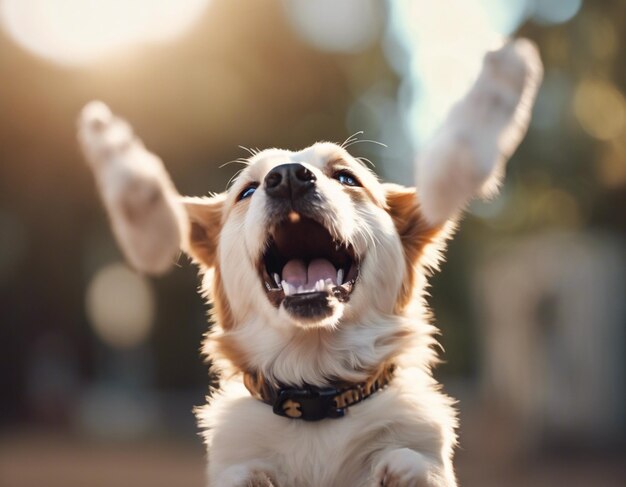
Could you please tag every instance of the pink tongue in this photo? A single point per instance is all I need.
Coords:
(296, 273)
(321, 269)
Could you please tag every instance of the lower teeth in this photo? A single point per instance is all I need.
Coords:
(319, 286)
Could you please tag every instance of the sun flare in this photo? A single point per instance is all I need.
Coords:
(83, 31)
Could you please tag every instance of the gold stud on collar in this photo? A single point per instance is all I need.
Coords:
(292, 408)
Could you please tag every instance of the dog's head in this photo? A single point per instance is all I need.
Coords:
(308, 239)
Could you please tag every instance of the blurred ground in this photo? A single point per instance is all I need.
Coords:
(36, 458)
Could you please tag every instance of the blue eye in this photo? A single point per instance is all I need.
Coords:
(347, 179)
(247, 192)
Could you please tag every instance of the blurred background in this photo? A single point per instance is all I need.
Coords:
(99, 366)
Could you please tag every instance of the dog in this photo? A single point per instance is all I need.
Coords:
(316, 272)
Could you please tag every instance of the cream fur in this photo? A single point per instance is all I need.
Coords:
(466, 157)
(147, 219)
(403, 435)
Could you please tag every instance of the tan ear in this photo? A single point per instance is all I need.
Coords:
(205, 223)
(404, 208)
(414, 230)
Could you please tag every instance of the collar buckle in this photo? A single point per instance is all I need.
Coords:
(307, 404)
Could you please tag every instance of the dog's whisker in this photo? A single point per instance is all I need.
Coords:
(361, 141)
(177, 260)
(351, 138)
(234, 177)
(252, 152)
(239, 160)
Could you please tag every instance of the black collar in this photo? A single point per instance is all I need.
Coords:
(314, 403)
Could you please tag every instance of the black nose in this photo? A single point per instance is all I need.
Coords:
(289, 181)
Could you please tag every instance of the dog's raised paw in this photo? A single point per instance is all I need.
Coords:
(404, 468)
(245, 476)
(259, 479)
(147, 218)
(102, 135)
(514, 66)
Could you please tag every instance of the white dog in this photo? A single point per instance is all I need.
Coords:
(316, 273)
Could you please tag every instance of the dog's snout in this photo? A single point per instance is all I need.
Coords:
(289, 181)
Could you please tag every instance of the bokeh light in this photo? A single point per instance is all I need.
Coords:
(81, 31)
(445, 57)
(600, 108)
(555, 12)
(347, 26)
(505, 16)
(120, 306)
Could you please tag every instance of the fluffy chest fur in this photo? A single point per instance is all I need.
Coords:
(332, 452)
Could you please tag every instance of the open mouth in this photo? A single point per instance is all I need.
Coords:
(304, 266)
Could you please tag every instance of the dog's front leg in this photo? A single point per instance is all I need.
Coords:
(466, 157)
(254, 474)
(403, 467)
(146, 213)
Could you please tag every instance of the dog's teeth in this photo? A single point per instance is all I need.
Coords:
(318, 286)
(288, 290)
(339, 277)
(277, 279)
